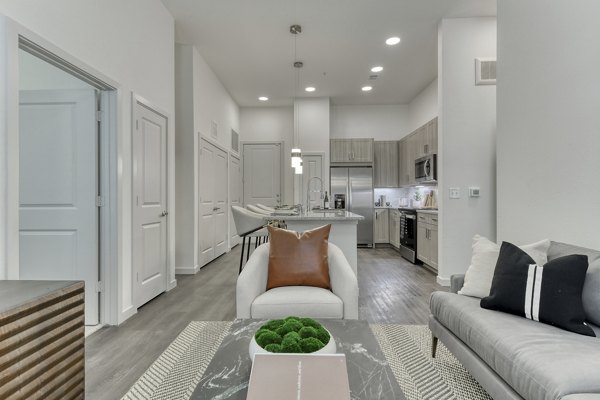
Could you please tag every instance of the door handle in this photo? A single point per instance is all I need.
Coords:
(164, 213)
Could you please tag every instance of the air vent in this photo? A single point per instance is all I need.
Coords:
(373, 77)
(485, 71)
(235, 141)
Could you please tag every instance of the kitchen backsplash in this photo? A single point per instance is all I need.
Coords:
(402, 197)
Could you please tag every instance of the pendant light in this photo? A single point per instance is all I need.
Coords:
(296, 152)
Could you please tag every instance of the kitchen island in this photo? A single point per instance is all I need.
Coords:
(343, 228)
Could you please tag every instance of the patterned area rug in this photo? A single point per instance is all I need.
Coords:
(177, 371)
(408, 351)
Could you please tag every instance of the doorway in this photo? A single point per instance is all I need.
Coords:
(313, 168)
(61, 170)
(262, 173)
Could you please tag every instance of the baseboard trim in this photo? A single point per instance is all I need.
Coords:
(443, 281)
(187, 270)
(172, 285)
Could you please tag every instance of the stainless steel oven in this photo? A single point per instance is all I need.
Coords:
(408, 234)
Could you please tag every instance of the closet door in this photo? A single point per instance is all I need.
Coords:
(212, 202)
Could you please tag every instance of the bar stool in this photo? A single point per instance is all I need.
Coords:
(267, 208)
(258, 210)
(249, 225)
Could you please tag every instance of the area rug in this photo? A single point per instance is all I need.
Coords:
(177, 371)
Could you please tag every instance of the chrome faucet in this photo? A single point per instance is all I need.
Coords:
(308, 191)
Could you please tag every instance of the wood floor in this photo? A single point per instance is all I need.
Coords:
(392, 290)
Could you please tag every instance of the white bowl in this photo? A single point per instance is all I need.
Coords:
(329, 348)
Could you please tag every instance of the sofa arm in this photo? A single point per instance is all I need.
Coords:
(343, 281)
(456, 282)
(252, 282)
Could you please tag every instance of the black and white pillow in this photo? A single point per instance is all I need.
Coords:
(549, 294)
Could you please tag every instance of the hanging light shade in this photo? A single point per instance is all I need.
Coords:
(296, 158)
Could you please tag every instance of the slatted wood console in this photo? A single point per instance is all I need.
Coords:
(42, 340)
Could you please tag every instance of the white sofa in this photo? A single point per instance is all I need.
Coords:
(254, 301)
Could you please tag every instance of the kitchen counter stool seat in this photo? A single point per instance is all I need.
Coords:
(249, 225)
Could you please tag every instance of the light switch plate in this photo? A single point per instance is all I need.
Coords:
(454, 193)
(474, 191)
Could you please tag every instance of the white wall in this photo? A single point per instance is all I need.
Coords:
(213, 102)
(264, 124)
(549, 121)
(201, 98)
(467, 128)
(186, 249)
(424, 107)
(381, 122)
(130, 42)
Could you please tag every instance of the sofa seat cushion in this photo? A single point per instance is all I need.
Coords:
(539, 361)
(302, 301)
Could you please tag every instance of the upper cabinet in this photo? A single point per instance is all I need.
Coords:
(420, 143)
(351, 150)
(425, 139)
(385, 167)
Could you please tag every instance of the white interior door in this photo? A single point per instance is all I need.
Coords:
(212, 202)
(312, 166)
(150, 210)
(220, 171)
(235, 195)
(262, 174)
(58, 236)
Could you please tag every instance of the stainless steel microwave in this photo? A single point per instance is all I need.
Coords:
(426, 169)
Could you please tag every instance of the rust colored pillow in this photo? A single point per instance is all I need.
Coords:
(298, 259)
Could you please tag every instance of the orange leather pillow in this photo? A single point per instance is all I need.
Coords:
(298, 259)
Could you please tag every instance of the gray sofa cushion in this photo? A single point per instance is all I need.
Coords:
(539, 361)
(591, 288)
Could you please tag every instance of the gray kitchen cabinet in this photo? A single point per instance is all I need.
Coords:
(386, 164)
(382, 225)
(427, 239)
(351, 150)
(340, 150)
(422, 142)
(395, 228)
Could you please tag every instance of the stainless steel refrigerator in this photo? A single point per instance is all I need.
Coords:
(352, 190)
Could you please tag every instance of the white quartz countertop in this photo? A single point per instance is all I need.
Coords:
(333, 215)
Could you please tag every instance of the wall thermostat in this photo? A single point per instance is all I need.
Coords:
(473, 192)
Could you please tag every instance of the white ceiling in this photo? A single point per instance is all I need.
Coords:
(248, 45)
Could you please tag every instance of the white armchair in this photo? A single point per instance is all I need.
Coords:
(254, 301)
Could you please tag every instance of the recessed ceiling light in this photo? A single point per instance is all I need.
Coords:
(377, 69)
(367, 88)
(392, 41)
(263, 98)
(310, 89)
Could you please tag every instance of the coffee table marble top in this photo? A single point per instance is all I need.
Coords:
(369, 374)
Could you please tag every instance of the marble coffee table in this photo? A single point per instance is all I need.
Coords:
(370, 377)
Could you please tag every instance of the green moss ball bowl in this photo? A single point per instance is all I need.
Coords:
(255, 348)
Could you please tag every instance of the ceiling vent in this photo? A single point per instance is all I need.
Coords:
(373, 77)
(235, 141)
(485, 71)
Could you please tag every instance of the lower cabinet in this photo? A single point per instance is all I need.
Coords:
(382, 226)
(427, 239)
(395, 228)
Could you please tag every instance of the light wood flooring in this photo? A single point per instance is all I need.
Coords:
(392, 290)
